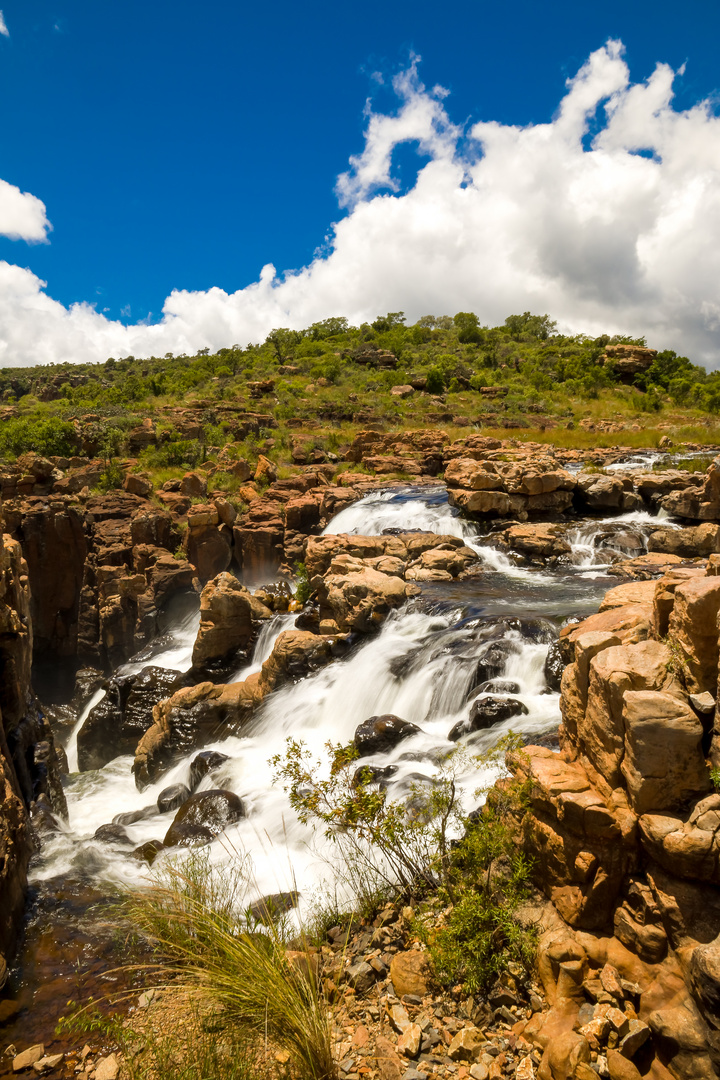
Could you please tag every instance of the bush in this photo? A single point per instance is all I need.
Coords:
(51, 438)
(303, 589)
(435, 380)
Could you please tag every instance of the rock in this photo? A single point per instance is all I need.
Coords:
(266, 471)
(554, 667)
(361, 977)
(190, 718)
(691, 543)
(27, 1058)
(170, 798)
(619, 1068)
(680, 1040)
(117, 723)
(398, 1017)
(296, 653)
(358, 597)
(194, 485)
(47, 1063)
(270, 909)
(111, 834)
(204, 816)
(229, 619)
(563, 1055)
(202, 764)
(138, 485)
(664, 764)
(693, 628)
(486, 712)
(379, 734)
(410, 973)
(107, 1068)
(409, 1041)
(148, 851)
(637, 1036)
(466, 1045)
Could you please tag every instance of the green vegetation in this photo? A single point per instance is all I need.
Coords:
(204, 947)
(335, 378)
(402, 848)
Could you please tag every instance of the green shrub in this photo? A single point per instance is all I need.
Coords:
(50, 437)
(303, 589)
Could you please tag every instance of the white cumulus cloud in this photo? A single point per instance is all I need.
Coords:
(618, 232)
(3, 27)
(22, 216)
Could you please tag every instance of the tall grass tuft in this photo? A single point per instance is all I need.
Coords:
(192, 915)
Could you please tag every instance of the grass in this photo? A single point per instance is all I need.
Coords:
(192, 915)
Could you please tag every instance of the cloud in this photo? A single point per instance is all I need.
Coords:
(614, 233)
(22, 216)
(3, 28)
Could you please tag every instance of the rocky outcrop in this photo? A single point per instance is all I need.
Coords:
(622, 823)
(30, 787)
(495, 489)
(229, 620)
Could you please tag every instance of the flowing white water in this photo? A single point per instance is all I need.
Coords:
(596, 544)
(423, 509)
(267, 637)
(421, 667)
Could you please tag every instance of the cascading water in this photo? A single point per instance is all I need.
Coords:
(595, 544)
(422, 666)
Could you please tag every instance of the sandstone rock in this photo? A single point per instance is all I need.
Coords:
(193, 485)
(170, 798)
(663, 765)
(359, 598)
(191, 717)
(620, 1068)
(138, 485)
(266, 471)
(410, 973)
(27, 1058)
(409, 1041)
(485, 712)
(680, 1040)
(466, 1045)
(693, 627)
(229, 620)
(204, 816)
(691, 543)
(296, 653)
(107, 1068)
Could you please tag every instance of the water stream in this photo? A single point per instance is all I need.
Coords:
(423, 666)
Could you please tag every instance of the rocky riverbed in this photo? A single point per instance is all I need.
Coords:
(172, 660)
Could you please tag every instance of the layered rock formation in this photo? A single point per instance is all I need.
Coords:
(623, 822)
(30, 788)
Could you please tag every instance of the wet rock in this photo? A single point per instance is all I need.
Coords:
(112, 834)
(170, 798)
(379, 734)
(373, 774)
(148, 851)
(194, 716)
(117, 723)
(554, 667)
(493, 660)
(485, 713)
(269, 909)
(498, 686)
(132, 816)
(204, 816)
(202, 764)
(87, 681)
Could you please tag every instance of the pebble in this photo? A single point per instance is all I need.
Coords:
(107, 1068)
(45, 1064)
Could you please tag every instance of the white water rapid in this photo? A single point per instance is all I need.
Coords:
(422, 667)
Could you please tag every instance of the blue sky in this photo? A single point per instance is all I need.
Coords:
(185, 146)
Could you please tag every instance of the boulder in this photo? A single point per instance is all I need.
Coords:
(380, 734)
(204, 763)
(693, 628)
(357, 597)
(487, 711)
(204, 816)
(116, 724)
(190, 718)
(229, 620)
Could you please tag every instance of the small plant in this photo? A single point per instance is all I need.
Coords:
(715, 777)
(111, 477)
(303, 589)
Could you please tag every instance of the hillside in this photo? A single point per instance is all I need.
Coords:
(332, 380)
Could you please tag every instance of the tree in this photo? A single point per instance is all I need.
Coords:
(468, 328)
(386, 322)
(531, 326)
(283, 342)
